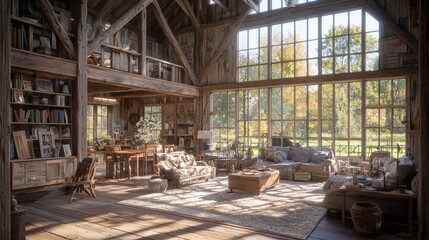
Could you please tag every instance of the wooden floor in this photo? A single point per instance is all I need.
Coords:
(101, 218)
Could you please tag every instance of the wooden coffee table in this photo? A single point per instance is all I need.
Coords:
(253, 180)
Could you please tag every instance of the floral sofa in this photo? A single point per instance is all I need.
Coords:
(181, 168)
(318, 164)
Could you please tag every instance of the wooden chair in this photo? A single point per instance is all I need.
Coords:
(151, 150)
(83, 180)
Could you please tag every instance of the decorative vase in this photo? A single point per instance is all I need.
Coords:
(44, 101)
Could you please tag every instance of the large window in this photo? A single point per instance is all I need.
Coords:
(97, 123)
(154, 113)
(322, 115)
(328, 44)
(223, 117)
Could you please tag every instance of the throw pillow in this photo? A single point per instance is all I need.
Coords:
(301, 155)
(282, 155)
(270, 155)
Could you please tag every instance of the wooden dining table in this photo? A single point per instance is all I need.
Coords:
(126, 157)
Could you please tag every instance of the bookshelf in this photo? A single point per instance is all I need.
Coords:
(41, 126)
(178, 124)
(31, 32)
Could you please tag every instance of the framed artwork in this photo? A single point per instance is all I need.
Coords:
(55, 131)
(44, 85)
(47, 143)
(18, 96)
(26, 85)
(66, 150)
(191, 130)
(181, 142)
(21, 144)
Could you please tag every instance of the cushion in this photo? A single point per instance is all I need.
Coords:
(270, 155)
(319, 156)
(282, 155)
(300, 154)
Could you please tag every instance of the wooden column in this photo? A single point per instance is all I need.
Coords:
(423, 200)
(143, 42)
(81, 91)
(5, 193)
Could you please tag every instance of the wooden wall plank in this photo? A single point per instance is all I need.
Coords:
(224, 44)
(5, 192)
(378, 13)
(424, 111)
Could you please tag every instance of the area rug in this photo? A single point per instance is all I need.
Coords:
(291, 209)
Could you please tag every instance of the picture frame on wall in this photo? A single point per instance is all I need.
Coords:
(47, 143)
(44, 85)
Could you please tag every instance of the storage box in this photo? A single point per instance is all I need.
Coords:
(301, 176)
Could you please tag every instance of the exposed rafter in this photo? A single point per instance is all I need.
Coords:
(251, 4)
(225, 43)
(376, 10)
(218, 2)
(63, 37)
(121, 22)
(106, 9)
(170, 36)
(186, 7)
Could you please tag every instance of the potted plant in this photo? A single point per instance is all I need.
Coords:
(146, 130)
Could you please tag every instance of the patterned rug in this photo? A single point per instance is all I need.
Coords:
(291, 209)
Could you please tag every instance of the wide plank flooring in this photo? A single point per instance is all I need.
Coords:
(102, 218)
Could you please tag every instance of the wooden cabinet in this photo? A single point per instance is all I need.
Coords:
(41, 125)
(37, 173)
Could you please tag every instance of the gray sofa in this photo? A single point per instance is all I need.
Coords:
(318, 163)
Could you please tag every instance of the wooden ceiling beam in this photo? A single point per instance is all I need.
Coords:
(170, 36)
(332, 78)
(221, 4)
(48, 12)
(186, 7)
(225, 43)
(124, 79)
(372, 7)
(120, 23)
(139, 94)
(251, 4)
(45, 65)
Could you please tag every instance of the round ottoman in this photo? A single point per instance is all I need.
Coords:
(157, 185)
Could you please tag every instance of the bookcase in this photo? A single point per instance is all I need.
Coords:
(41, 126)
(30, 31)
(178, 124)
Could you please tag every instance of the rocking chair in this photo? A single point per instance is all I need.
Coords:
(85, 174)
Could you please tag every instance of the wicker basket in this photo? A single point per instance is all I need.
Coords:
(366, 217)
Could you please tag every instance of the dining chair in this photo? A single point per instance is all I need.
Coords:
(151, 150)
